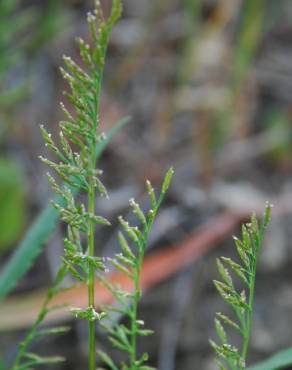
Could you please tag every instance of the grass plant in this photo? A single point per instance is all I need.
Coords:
(26, 359)
(76, 164)
(77, 151)
(241, 302)
(129, 262)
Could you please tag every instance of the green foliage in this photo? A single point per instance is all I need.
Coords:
(12, 203)
(77, 156)
(25, 359)
(77, 168)
(77, 151)
(280, 360)
(241, 302)
(32, 244)
(133, 242)
(76, 165)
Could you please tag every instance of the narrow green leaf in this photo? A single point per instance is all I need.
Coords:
(280, 360)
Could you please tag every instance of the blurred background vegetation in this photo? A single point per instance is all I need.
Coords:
(208, 84)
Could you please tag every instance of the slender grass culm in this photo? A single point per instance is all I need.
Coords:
(77, 155)
(78, 168)
(78, 171)
(242, 303)
(129, 262)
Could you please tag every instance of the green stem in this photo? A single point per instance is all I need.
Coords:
(91, 324)
(23, 346)
(137, 295)
(134, 327)
(91, 238)
(246, 337)
(249, 318)
(141, 247)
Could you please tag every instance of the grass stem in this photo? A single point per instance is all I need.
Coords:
(91, 324)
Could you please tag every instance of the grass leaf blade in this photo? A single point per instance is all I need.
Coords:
(280, 360)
